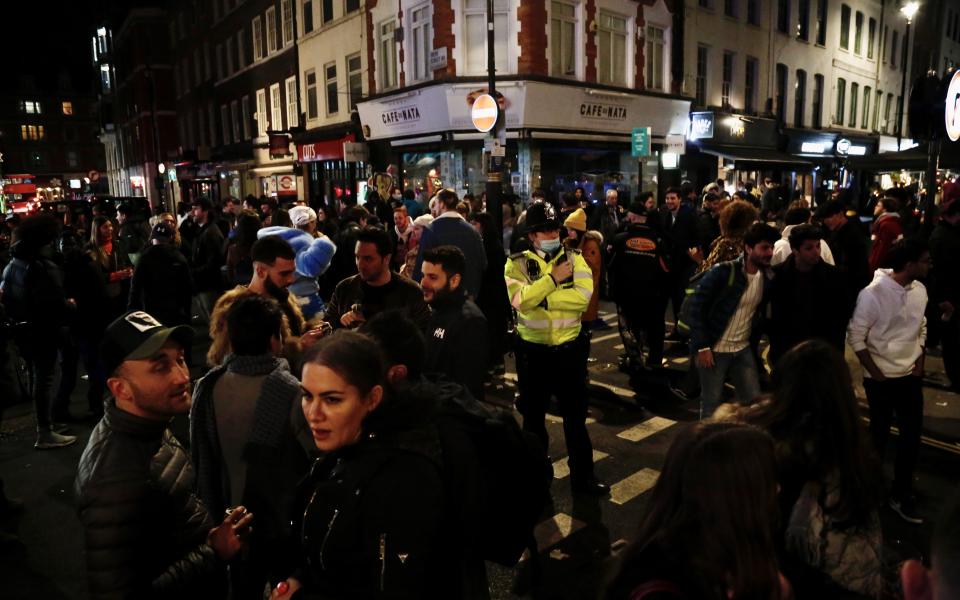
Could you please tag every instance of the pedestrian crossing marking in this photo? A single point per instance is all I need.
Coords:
(646, 429)
(552, 531)
(604, 338)
(631, 487)
(608, 316)
(551, 418)
(561, 469)
(628, 394)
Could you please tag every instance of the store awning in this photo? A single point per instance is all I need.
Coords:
(757, 158)
(913, 159)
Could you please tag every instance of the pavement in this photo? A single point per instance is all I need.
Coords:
(631, 426)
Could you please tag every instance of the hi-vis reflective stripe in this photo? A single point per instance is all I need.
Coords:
(584, 292)
(515, 301)
(548, 323)
(582, 275)
(512, 281)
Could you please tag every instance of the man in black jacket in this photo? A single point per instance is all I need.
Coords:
(848, 245)
(208, 257)
(161, 283)
(457, 331)
(945, 292)
(146, 533)
(678, 225)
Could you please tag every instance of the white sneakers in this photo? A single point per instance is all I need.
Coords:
(48, 439)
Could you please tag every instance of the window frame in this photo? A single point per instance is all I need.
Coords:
(701, 75)
(330, 85)
(270, 22)
(245, 116)
(292, 104)
(865, 113)
(822, 16)
(726, 77)
(501, 55)
(287, 32)
(799, 97)
(276, 108)
(262, 116)
(256, 30)
(235, 121)
(845, 17)
(308, 88)
(387, 46)
(653, 69)
(625, 33)
(307, 16)
(854, 99)
(224, 127)
(816, 107)
(858, 33)
(352, 76)
(750, 76)
(562, 20)
(840, 110)
(420, 69)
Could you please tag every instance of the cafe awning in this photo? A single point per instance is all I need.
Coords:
(758, 158)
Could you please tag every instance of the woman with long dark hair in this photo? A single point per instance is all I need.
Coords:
(114, 267)
(239, 264)
(492, 298)
(710, 530)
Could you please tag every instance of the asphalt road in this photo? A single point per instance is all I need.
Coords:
(631, 430)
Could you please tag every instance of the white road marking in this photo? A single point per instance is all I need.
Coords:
(622, 392)
(604, 338)
(631, 487)
(561, 469)
(646, 429)
(552, 531)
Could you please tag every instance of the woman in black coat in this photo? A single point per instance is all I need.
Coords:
(373, 507)
(492, 298)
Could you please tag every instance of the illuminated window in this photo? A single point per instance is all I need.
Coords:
(67, 108)
(31, 107)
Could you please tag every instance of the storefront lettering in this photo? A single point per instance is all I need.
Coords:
(401, 115)
(737, 129)
(603, 111)
(701, 125)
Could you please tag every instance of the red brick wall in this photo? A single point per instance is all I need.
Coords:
(443, 35)
(590, 17)
(402, 76)
(533, 38)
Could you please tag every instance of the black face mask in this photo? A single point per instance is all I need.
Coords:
(278, 293)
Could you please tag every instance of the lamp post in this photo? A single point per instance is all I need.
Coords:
(908, 10)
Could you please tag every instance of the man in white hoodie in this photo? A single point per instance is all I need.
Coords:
(888, 332)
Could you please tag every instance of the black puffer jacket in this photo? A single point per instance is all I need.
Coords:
(33, 289)
(145, 530)
(162, 285)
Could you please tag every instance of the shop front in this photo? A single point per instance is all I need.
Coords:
(737, 149)
(198, 180)
(327, 176)
(557, 138)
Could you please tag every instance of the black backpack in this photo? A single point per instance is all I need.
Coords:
(498, 477)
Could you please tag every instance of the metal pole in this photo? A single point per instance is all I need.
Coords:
(903, 85)
(933, 158)
(494, 202)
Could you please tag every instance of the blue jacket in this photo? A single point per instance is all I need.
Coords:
(715, 299)
(455, 231)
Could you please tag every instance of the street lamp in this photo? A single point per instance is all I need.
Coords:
(908, 10)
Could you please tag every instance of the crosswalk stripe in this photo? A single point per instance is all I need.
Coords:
(622, 392)
(604, 338)
(561, 469)
(608, 316)
(555, 529)
(631, 487)
(646, 429)
(551, 418)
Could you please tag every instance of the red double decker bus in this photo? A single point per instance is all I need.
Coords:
(20, 193)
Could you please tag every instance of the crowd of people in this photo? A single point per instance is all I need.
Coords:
(341, 342)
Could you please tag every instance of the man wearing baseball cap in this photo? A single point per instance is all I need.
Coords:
(304, 218)
(146, 533)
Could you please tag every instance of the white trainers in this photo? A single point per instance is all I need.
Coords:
(48, 439)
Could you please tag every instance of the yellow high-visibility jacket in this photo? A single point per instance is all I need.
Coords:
(547, 313)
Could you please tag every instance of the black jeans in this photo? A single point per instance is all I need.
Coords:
(642, 321)
(39, 350)
(950, 343)
(559, 371)
(903, 395)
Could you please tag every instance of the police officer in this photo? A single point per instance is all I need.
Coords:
(550, 287)
(638, 273)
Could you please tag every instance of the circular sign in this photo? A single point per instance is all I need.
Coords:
(484, 112)
(161, 168)
(843, 146)
(285, 182)
(952, 108)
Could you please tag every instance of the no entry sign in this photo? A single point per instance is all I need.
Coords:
(484, 112)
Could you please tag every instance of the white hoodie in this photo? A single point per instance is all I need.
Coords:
(889, 323)
(782, 250)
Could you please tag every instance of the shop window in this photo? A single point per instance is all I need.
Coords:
(799, 98)
(750, 85)
(330, 84)
(817, 101)
(256, 29)
(421, 42)
(858, 33)
(387, 55)
(612, 48)
(841, 101)
(307, 16)
(286, 12)
(224, 123)
(235, 121)
(293, 116)
(753, 12)
(865, 119)
(245, 113)
(655, 55)
(270, 22)
(475, 30)
(354, 80)
(727, 82)
(310, 83)
(783, 16)
(276, 108)
(822, 22)
(261, 113)
(701, 91)
(563, 39)
(854, 92)
(845, 27)
(803, 20)
(871, 36)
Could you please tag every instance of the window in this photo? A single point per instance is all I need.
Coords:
(654, 56)
(701, 76)
(307, 16)
(782, 76)
(224, 119)
(245, 111)
(310, 83)
(219, 53)
(817, 101)
(241, 51)
(475, 29)
(206, 62)
(286, 11)
(32, 132)
(31, 107)
(261, 113)
(257, 38)
(270, 22)
(293, 110)
(803, 20)
(871, 36)
(105, 79)
(612, 48)
(235, 121)
(730, 8)
(197, 67)
(886, 113)
(727, 82)
(858, 33)
(753, 12)
(387, 56)
(67, 107)
(201, 128)
(276, 108)
(841, 101)
(897, 126)
(354, 80)
(563, 39)
(230, 54)
(799, 97)
(822, 22)
(893, 49)
(865, 119)
(845, 27)
(783, 16)
(876, 110)
(352, 5)
(327, 10)
(750, 85)
(421, 42)
(72, 160)
(211, 112)
(330, 83)
(854, 89)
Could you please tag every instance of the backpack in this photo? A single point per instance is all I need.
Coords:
(498, 476)
(683, 320)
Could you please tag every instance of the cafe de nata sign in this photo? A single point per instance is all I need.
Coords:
(951, 113)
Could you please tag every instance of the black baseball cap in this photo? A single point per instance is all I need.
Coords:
(137, 336)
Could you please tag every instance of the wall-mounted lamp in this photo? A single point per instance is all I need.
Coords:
(592, 26)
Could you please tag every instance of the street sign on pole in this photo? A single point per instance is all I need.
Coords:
(640, 142)
(484, 112)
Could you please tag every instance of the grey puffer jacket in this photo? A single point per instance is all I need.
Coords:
(145, 530)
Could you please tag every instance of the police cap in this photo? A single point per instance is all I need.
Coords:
(541, 216)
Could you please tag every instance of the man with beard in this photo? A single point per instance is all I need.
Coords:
(147, 535)
(273, 272)
(457, 331)
(375, 288)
